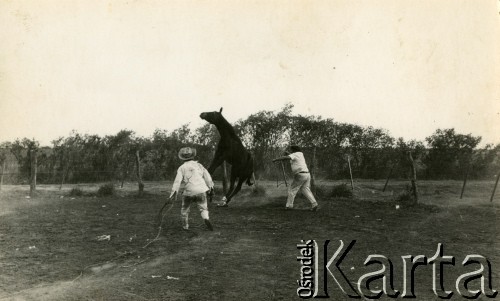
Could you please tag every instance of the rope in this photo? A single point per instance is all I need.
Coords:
(160, 227)
(163, 214)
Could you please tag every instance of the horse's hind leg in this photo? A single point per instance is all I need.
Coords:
(231, 188)
(251, 180)
(236, 190)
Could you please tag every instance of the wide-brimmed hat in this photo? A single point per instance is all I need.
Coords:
(187, 153)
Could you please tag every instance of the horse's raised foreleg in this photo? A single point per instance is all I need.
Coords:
(216, 162)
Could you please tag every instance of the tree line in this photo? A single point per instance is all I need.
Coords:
(333, 151)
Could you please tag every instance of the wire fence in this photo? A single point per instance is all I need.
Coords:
(325, 164)
(464, 188)
(328, 164)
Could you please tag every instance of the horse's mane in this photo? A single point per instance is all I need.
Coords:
(229, 127)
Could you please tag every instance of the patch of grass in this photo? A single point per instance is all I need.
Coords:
(106, 190)
(258, 190)
(76, 192)
(341, 191)
(320, 191)
(406, 197)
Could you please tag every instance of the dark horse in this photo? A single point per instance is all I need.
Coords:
(231, 150)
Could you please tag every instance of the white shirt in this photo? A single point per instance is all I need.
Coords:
(195, 176)
(298, 162)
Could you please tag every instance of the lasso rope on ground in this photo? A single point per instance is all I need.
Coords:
(160, 227)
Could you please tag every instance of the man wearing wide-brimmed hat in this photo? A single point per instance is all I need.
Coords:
(197, 182)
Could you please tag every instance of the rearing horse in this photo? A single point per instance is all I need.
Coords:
(231, 150)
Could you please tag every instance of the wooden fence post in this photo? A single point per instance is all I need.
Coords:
(465, 180)
(1, 177)
(33, 163)
(138, 172)
(350, 171)
(313, 165)
(388, 176)
(413, 176)
(62, 180)
(495, 188)
(65, 173)
(124, 175)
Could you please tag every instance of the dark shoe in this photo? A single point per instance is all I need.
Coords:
(209, 225)
(288, 208)
(314, 208)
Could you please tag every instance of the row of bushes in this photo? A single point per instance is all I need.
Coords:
(333, 150)
(338, 191)
(104, 190)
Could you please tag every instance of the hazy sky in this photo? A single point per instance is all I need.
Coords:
(97, 67)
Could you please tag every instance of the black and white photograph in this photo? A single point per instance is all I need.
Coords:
(249, 150)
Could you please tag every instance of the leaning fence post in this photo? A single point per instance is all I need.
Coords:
(388, 177)
(350, 171)
(495, 188)
(465, 180)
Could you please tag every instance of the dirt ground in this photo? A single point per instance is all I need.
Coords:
(49, 248)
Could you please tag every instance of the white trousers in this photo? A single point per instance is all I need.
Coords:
(201, 203)
(302, 182)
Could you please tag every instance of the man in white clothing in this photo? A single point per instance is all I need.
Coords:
(197, 182)
(301, 177)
